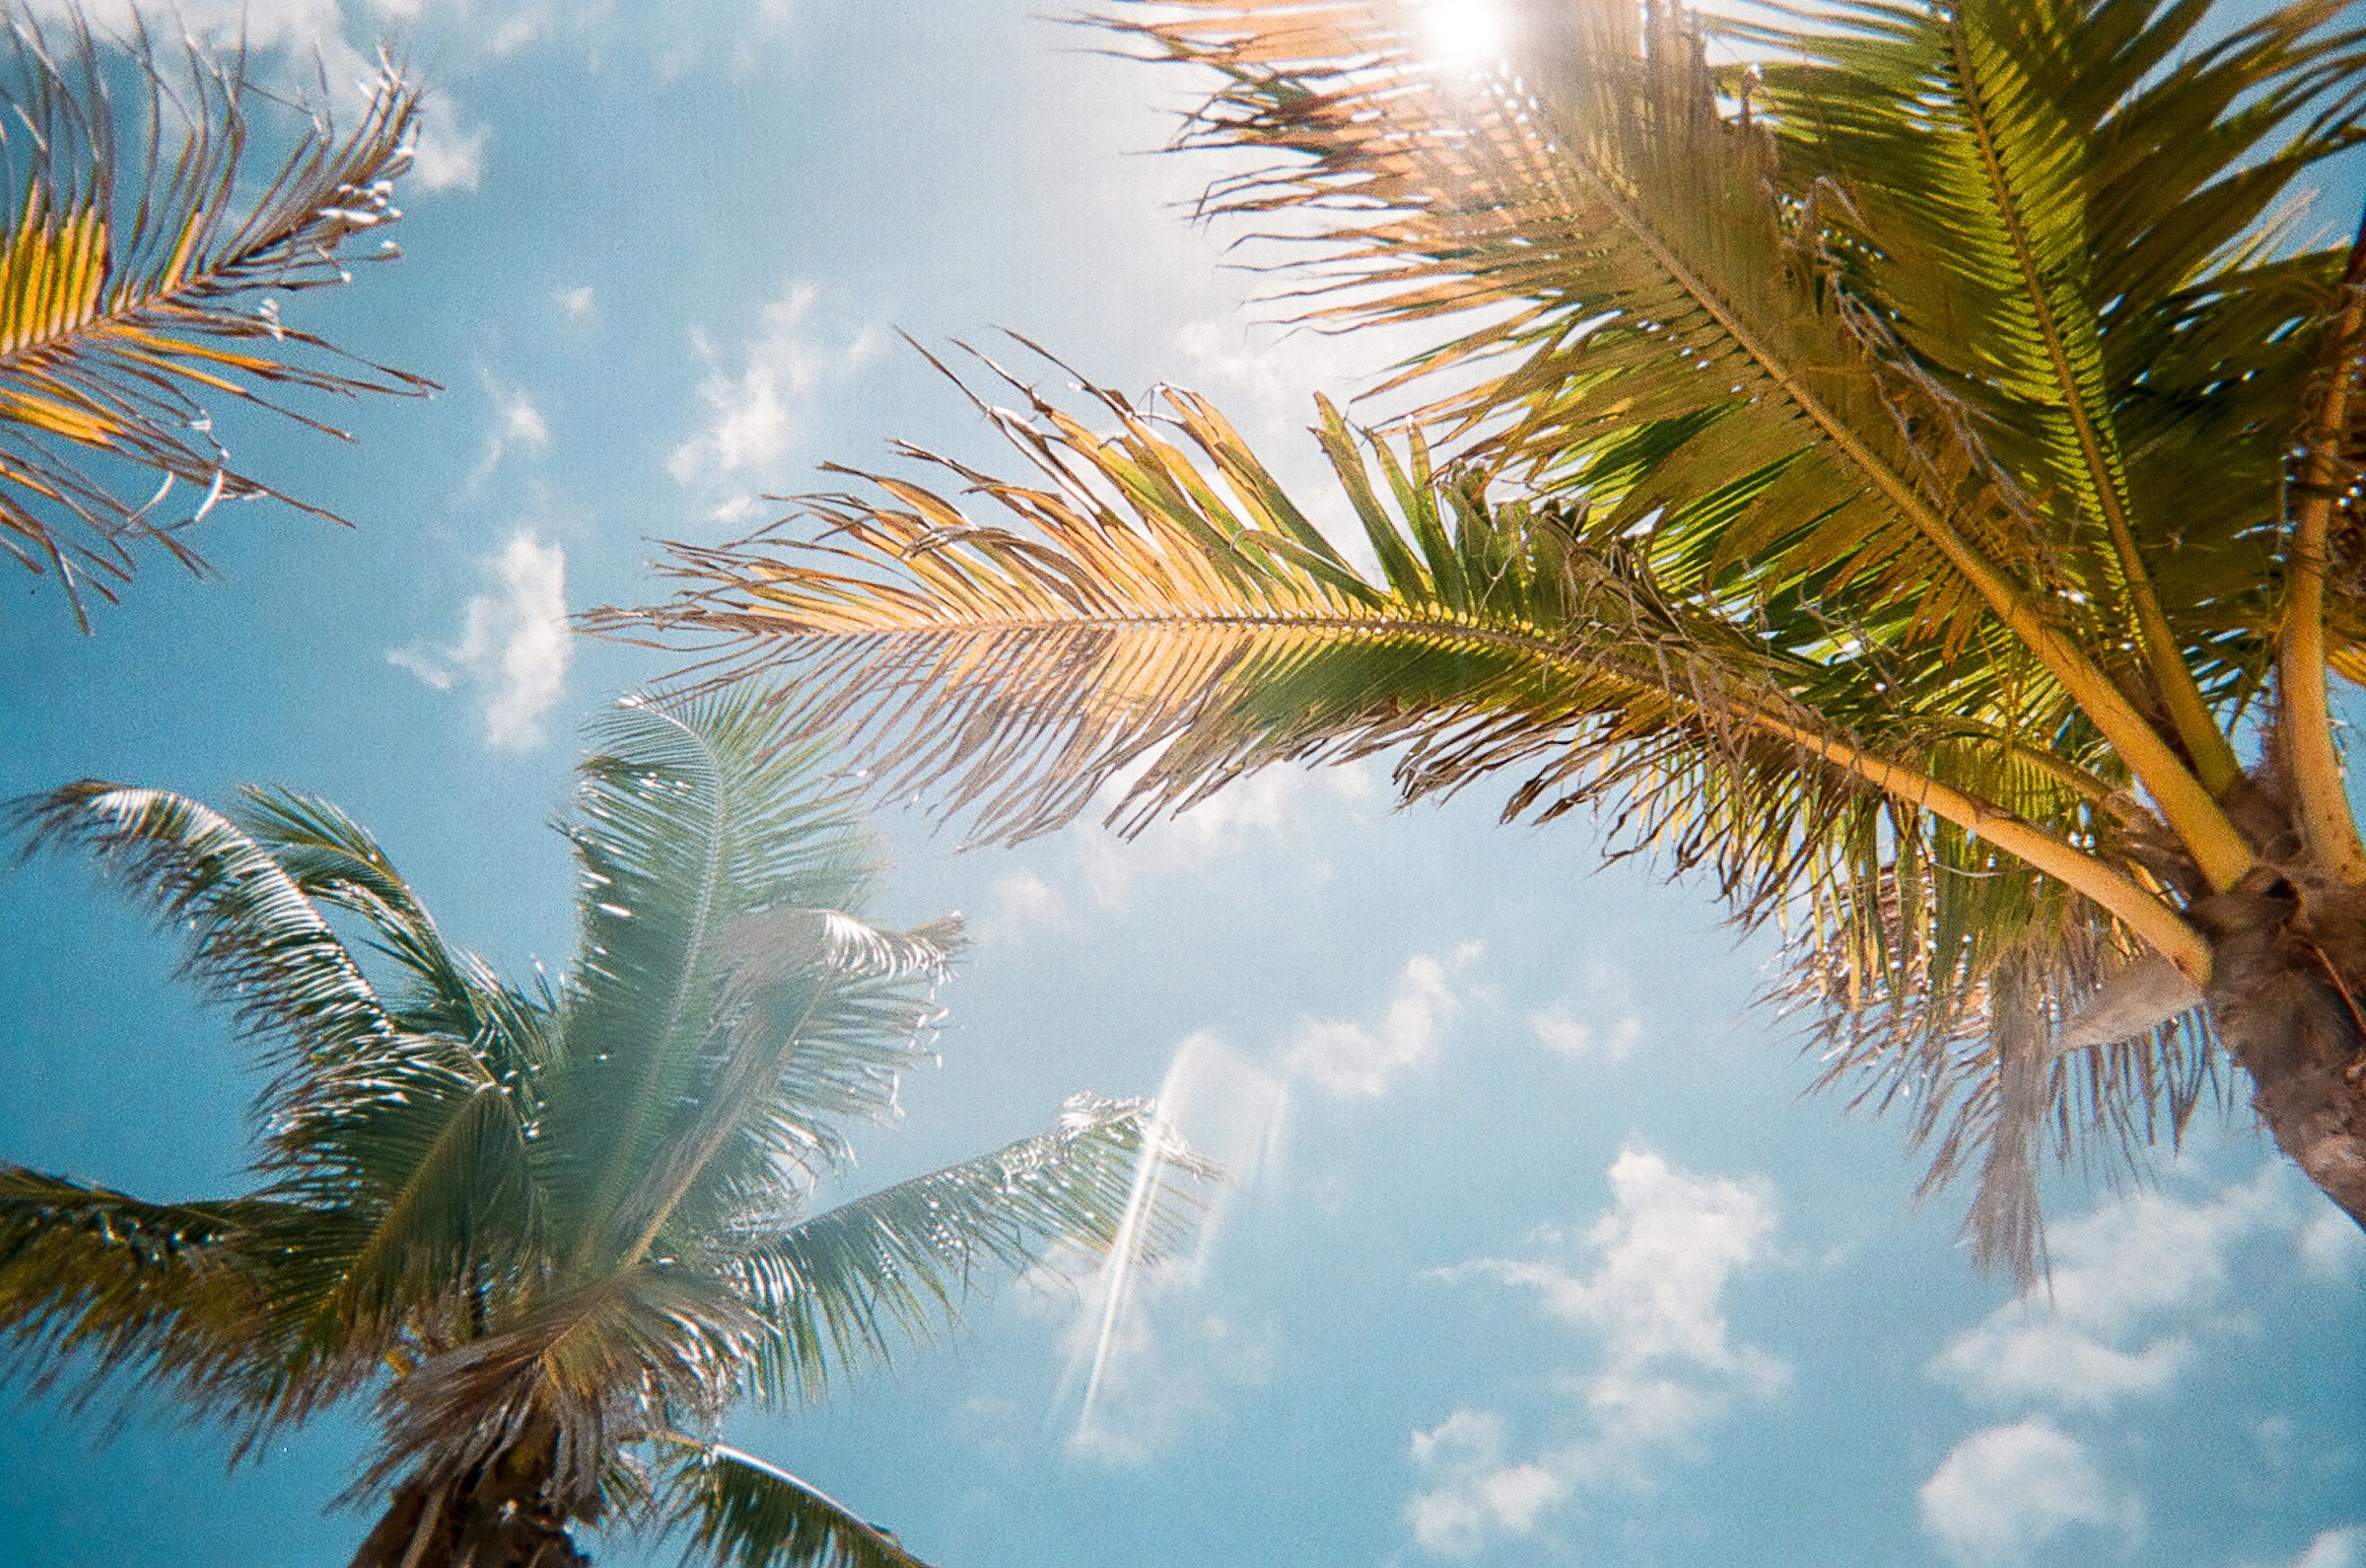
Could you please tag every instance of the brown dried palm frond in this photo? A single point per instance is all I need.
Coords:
(141, 270)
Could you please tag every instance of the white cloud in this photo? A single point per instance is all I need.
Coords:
(2006, 1490)
(1352, 1058)
(2131, 1286)
(2342, 1548)
(1667, 1249)
(521, 422)
(1264, 809)
(1022, 902)
(513, 645)
(1599, 1021)
(2330, 1245)
(578, 301)
(1482, 1494)
(758, 398)
(1562, 1032)
(449, 154)
(1662, 1256)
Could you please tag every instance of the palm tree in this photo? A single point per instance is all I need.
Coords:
(554, 1229)
(1911, 477)
(142, 263)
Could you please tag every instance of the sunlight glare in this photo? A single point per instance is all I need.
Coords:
(1464, 31)
(1222, 1108)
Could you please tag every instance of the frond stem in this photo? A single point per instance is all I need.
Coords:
(2191, 809)
(2304, 721)
(2213, 755)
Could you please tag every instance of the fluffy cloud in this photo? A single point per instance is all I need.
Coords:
(299, 44)
(1600, 1021)
(2344, 1547)
(2131, 1286)
(1561, 1031)
(2331, 1244)
(1265, 815)
(1652, 1301)
(757, 396)
(1249, 815)
(2006, 1490)
(1353, 1059)
(2138, 1292)
(513, 645)
(517, 425)
(1480, 1494)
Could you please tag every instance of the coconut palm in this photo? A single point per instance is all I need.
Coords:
(553, 1230)
(1899, 459)
(144, 257)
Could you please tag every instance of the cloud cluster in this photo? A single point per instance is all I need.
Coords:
(756, 396)
(1264, 815)
(2137, 1290)
(1366, 1059)
(1666, 1364)
(514, 646)
(1600, 1023)
(2007, 1489)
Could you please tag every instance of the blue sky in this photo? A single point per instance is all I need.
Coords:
(1534, 1253)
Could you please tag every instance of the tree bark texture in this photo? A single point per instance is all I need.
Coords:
(476, 1522)
(2288, 997)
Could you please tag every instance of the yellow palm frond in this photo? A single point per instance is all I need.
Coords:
(140, 288)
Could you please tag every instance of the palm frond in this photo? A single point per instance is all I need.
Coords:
(691, 822)
(140, 285)
(565, 1383)
(1160, 607)
(747, 1513)
(255, 943)
(849, 1282)
(337, 864)
(817, 1015)
(216, 1303)
(1709, 320)
(124, 1288)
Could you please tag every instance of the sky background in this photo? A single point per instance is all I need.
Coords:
(1534, 1252)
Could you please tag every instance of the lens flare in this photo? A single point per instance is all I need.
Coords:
(1222, 1108)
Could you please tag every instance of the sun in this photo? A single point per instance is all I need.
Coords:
(1464, 31)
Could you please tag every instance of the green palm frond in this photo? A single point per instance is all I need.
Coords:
(547, 1229)
(746, 1513)
(816, 1015)
(691, 823)
(1154, 606)
(847, 1284)
(1899, 315)
(337, 863)
(254, 942)
(123, 1289)
(141, 270)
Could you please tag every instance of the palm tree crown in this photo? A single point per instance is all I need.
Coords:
(1910, 476)
(555, 1229)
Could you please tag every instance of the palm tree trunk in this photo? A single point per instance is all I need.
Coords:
(2288, 996)
(484, 1521)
